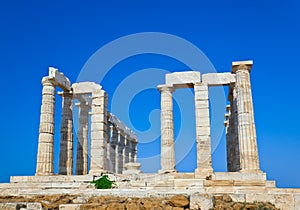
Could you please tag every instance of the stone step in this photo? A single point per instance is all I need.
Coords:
(54, 185)
(50, 179)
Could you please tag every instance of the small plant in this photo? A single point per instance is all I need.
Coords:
(103, 183)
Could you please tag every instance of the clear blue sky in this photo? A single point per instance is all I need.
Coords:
(35, 35)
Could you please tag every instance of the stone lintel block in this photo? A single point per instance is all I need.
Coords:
(218, 79)
(61, 80)
(85, 87)
(182, 79)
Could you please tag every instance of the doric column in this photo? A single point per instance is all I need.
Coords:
(133, 151)
(121, 145)
(114, 143)
(249, 161)
(98, 132)
(204, 165)
(44, 165)
(167, 130)
(108, 149)
(82, 136)
(127, 149)
(66, 135)
(232, 143)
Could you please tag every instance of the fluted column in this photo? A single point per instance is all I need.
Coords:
(249, 161)
(203, 142)
(66, 135)
(82, 136)
(133, 151)
(108, 149)
(233, 153)
(127, 149)
(167, 130)
(98, 132)
(114, 148)
(121, 145)
(44, 165)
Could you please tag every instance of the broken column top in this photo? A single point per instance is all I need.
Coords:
(60, 79)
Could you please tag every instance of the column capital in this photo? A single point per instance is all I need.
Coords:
(242, 65)
(163, 88)
(47, 81)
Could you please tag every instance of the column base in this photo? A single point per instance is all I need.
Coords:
(168, 171)
(204, 173)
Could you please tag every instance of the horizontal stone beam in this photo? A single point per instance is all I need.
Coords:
(218, 79)
(184, 79)
(60, 79)
(121, 126)
(85, 87)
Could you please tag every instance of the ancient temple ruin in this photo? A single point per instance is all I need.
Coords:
(112, 144)
(242, 154)
(108, 146)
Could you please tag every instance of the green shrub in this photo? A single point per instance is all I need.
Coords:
(103, 183)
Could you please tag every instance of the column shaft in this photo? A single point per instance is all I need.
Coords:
(66, 135)
(249, 161)
(82, 144)
(44, 166)
(167, 130)
(108, 149)
(114, 143)
(121, 144)
(204, 165)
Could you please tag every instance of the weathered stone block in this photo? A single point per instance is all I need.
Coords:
(182, 79)
(201, 201)
(218, 79)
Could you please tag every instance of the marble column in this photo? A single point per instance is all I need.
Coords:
(108, 149)
(114, 148)
(127, 149)
(121, 145)
(44, 165)
(133, 151)
(203, 142)
(82, 136)
(167, 130)
(66, 135)
(249, 161)
(233, 154)
(98, 132)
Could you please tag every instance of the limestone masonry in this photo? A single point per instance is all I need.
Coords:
(113, 146)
